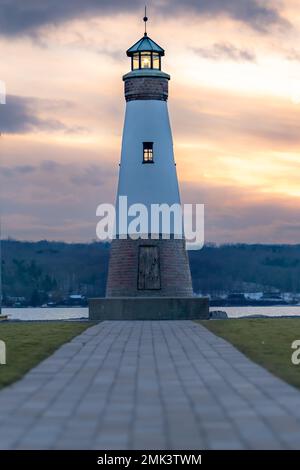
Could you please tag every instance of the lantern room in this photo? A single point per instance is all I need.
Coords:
(145, 54)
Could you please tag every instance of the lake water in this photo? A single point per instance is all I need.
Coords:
(78, 312)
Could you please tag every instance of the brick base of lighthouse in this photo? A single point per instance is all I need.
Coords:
(148, 280)
(148, 268)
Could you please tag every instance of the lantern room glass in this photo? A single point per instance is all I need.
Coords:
(155, 61)
(136, 61)
(145, 60)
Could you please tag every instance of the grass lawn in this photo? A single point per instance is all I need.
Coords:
(27, 344)
(265, 341)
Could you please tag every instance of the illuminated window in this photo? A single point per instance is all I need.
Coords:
(148, 152)
(155, 61)
(145, 60)
(136, 61)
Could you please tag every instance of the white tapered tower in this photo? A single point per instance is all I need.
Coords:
(152, 267)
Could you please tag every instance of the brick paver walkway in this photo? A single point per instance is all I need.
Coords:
(149, 385)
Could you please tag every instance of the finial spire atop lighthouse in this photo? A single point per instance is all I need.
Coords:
(145, 53)
(145, 20)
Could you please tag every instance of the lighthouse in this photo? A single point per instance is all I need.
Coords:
(148, 274)
(156, 265)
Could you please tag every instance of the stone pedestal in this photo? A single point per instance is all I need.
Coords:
(149, 308)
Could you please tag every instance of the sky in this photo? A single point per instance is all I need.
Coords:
(234, 103)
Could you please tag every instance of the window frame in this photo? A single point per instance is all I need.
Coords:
(135, 57)
(148, 150)
(146, 54)
(138, 55)
(158, 57)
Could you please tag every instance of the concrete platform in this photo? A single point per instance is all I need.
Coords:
(149, 308)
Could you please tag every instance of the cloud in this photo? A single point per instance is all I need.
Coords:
(55, 200)
(257, 14)
(227, 51)
(293, 54)
(222, 116)
(16, 170)
(20, 115)
(19, 17)
(235, 214)
(61, 204)
(92, 175)
(49, 165)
